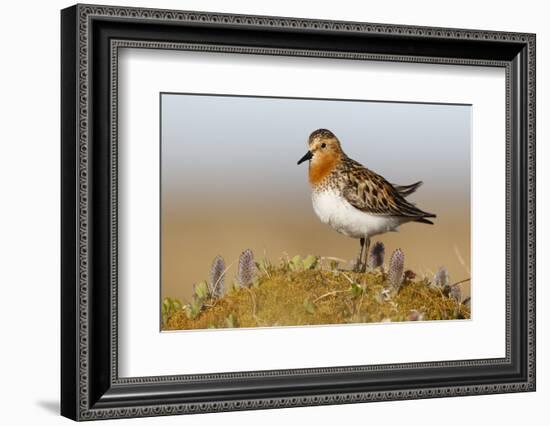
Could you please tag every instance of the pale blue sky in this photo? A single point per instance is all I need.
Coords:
(227, 145)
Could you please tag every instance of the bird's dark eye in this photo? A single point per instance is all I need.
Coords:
(323, 145)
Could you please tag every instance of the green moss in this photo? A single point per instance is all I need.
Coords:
(294, 294)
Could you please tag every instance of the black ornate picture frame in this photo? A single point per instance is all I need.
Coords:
(91, 387)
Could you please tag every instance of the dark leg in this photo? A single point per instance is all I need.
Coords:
(359, 263)
(366, 244)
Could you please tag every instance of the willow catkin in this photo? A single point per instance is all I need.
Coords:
(441, 277)
(397, 265)
(246, 269)
(217, 278)
(456, 293)
(376, 256)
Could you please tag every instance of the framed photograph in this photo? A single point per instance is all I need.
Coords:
(263, 212)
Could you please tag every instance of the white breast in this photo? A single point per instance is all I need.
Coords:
(336, 211)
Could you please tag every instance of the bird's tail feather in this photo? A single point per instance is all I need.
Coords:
(424, 220)
(406, 190)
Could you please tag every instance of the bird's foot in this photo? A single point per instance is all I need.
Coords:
(359, 266)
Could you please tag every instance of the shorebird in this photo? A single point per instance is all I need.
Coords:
(352, 199)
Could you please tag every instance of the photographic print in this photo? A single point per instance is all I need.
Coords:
(299, 212)
(269, 183)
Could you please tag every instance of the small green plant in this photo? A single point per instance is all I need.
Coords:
(170, 307)
(264, 266)
(356, 290)
(247, 269)
(194, 309)
(395, 273)
(295, 263)
(231, 321)
(310, 262)
(309, 306)
(256, 282)
(201, 291)
(307, 263)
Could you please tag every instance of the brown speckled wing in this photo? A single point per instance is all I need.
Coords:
(371, 193)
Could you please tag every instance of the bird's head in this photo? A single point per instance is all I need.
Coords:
(324, 155)
(324, 147)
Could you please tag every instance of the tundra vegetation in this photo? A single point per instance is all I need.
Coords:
(313, 290)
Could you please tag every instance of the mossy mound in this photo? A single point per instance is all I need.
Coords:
(281, 296)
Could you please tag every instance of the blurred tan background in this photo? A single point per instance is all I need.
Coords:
(191, 240)
(230, 181)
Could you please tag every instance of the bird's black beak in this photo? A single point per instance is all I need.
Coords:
(306, 157)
